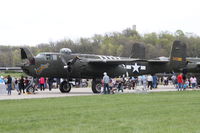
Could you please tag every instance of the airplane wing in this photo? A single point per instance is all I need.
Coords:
(158, 61)
(198, 63)
(112, 61)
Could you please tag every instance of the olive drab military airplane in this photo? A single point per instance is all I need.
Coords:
(68, 65)
(192, 65)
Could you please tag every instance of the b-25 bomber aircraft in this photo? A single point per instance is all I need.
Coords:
(192, 65)
(67, 65)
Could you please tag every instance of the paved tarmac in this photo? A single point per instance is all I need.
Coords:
(78, 92)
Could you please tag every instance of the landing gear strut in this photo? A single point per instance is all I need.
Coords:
(65, 87)
(96, 85)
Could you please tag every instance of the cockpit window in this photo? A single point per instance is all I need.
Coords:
(41, 56)
(51, 57)
(54, 57)
(47, 56)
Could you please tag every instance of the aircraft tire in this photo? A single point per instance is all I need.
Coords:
(96, 86)
(65, 87)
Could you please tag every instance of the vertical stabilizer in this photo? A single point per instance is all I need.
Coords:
(138, 51)
(178, 55)
(26, 54)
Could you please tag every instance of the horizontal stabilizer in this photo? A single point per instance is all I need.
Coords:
(10, 68)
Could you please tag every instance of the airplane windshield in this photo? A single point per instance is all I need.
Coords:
(47, 56)
(40, 56)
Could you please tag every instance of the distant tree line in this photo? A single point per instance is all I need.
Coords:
(115, 43)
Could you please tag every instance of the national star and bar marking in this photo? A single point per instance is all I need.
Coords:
(135, 67)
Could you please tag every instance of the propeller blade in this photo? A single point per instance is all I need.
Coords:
(64, 62)
(67, 65)
(74, 60)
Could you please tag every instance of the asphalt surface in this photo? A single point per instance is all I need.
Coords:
(77, 92)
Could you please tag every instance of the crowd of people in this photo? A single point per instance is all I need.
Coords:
(148, 82)
(109, 85)
(23, 84)
(30, 85)
(181, 82)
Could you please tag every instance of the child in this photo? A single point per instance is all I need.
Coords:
(186, 84)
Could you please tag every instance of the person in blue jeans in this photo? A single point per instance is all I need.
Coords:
(106, 81)
(9, 84)
(180, 82)
(155, 81)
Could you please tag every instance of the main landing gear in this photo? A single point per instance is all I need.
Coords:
(96, 85)
(65, 87)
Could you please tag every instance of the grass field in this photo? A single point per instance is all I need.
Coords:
(163, 112)
(12, 74)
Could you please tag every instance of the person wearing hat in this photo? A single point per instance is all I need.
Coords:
(106, 81)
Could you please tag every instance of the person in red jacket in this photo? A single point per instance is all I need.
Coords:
(42, 81)
(180, 82)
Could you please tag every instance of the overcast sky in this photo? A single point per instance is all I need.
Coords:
(30, 22)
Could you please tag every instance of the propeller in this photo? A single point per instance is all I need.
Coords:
(64, 61)
(68, 65)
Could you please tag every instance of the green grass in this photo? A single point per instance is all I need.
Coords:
(12, 74)
(164, 112)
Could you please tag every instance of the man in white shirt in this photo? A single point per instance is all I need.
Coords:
(193, 81)
(106, 81)
(150, 81)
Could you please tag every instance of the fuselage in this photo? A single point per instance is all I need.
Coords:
(51, 65)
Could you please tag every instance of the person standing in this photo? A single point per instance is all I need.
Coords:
(106, 81)
(133, 82)
(21, 85)
(120, 85)
(57, 82)
(50, 83)
(165, 79)
(9, 84)
(17, 85)
(139, 80)
(193, 81)
(180, 82)
(2, 80)
(155, 78)
(144, 82)
(150, 81)
(42, 81)
(174, 79)
(26, 84)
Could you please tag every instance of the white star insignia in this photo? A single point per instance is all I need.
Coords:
(136, 68)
